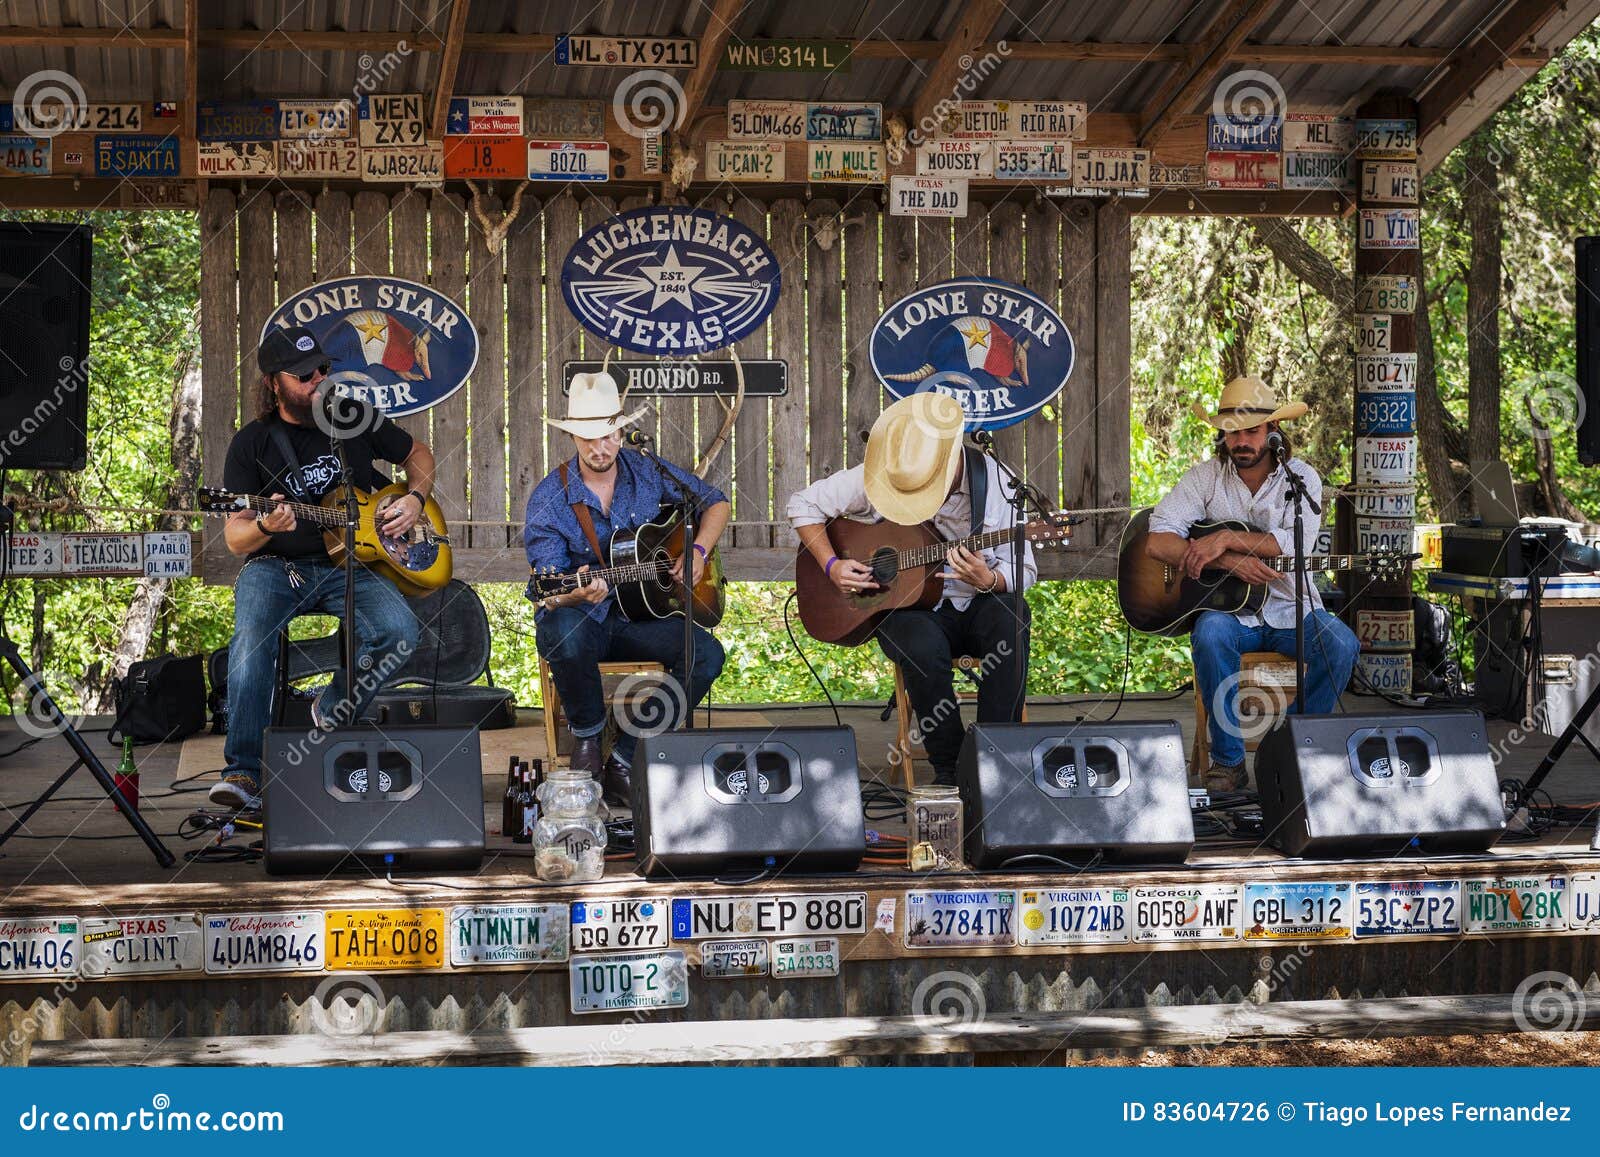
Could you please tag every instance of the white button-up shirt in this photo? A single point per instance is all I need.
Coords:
(844, 495)
(1213, 490)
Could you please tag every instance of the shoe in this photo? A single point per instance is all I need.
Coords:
(1221, 777)
(238, 791)
(586, 755)
(616, 783)
(944, 779)
(318, 720)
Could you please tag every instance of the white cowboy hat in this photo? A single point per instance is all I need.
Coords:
(913, 453)
(594, 408)
(1247, 402)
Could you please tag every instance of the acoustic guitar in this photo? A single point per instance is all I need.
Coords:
(1159, 599)
(417, 562)
(639, 571)
(905, 562)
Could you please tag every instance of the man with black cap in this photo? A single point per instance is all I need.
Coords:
(289, 451)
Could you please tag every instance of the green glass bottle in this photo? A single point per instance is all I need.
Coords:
(127, 775)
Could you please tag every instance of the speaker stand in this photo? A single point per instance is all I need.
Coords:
(1572, 731)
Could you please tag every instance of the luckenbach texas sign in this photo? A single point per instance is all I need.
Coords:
(669, 279)
(396, 345)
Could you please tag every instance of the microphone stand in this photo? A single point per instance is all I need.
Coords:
(352, 513)
(686, 510)
(1299, 498)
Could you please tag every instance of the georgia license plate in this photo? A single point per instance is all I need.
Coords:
(806, 956)
(1529, 904)
(1408, 908)
(363, 939)
(1295, 911)
(601, 925)
(264, 942)
(705, 917)
(727, 959)
(139, 944)
(39, 946)
(1073, 916)
(1185, 912)
(508, 934)
(960, 919)
(629, 980)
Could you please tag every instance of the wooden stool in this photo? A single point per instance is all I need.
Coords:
(552, 698)
(903, 747)
(1264, 670)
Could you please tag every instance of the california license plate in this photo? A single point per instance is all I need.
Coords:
(960, 919)
(1408, 908)
(629, 981)
(1185, 912)
(264, 942)
(508, 934)
(701, 918)
(1295, 911)
(364, 939)
(1524, 904)
(1073, 916)
(806, 956)
(39, 946)
(136, 156)
(604, 925)
(141, 944)
(729, 959)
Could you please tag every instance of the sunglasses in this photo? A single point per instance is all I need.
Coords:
(304, 378)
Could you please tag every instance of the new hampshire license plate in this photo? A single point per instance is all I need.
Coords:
(630, 980)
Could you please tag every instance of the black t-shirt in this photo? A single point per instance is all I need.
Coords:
(255, 465)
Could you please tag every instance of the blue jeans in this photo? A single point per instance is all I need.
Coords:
(575, 645)
(264, 602)
(1218, 641)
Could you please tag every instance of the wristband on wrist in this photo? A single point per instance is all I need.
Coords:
(417, 494)
(701, 549)
(261, 528)
(827, 570)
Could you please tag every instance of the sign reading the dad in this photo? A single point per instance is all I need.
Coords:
(992, 346)
(668, 279)
(396, 345)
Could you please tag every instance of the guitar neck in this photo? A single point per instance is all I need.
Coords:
(935, 553)
(320, 515)
(1284, 563)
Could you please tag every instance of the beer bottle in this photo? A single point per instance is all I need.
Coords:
(126, 779)
(510, 817)
(527, 807)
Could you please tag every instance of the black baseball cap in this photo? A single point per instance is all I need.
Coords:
(290, 351)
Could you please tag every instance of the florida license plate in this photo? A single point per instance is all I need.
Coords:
(961, 919)
(806, 956)
(1295, 911)
(363, 939)
(1182, 912)
(702, 918)
(603, 925)
(1526, 904)
(508, 934)
(264, 942)
(629, 980)
(1073, 916)
(729, 959)
(1408, 908)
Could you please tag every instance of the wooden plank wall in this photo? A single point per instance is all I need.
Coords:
(843, 260)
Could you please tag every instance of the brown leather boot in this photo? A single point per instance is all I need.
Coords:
(586, 755)
(616, 784)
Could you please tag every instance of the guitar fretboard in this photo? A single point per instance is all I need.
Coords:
(928, 555)
(260, 503)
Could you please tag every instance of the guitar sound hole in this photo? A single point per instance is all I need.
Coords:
(884, 570)
(663, 572)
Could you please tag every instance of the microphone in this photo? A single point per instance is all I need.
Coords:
(1277, 447)
(637, 437)
(865, 435)
(982, 439)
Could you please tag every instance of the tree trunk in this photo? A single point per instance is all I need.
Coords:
(1433, 420)
(1480, 195)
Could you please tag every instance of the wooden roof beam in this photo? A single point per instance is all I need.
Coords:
(449, 61)
(191, 67)
(976, 22)
(718, 30)
(1203, 63)
(1476, 62)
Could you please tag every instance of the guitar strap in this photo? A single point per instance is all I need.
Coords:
(585, 520)
(286, 448)
(977, 468)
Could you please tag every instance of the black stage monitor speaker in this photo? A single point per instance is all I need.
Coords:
(1069, 790)
(1372, 783)
(365, 794)
(1587, 320)
(44, 346)
(731, 799)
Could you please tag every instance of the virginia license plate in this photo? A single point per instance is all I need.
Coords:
(1408, 908)
(508, 934)
(1073, 916)
(960, 919)
(806, 956)
(729, 959)
(363, 939)
(142, 944)
(629, 980)
(1526, 904)
(39, 946)
(1295, 911)
(702, 918)
(264, 942)
(604, 925)
(1185, 912)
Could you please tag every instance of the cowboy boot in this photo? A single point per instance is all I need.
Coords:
(586, 755)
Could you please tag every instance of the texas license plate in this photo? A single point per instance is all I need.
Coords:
(1526, 904)
(705, 917)
(728, 959)
(602, 925)
(39, 946)
(363, 939)
(1295, 911)
(1408, 908)
(264, 942)
(1185, 912)
(960, 919)
(806, 956)
(508, 934)
(141, 944)
(1073, 916)
(629, 980)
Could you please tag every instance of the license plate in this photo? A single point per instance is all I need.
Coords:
(134, 945)
(927, 196)
(728, 959)
(508, 934)
(628, 51)
(94, 118)
(629, 981)
(1381, 534)
(1318, 133)
(1061, 119)
(1408, 908)
(1386, 293)
(319, 158)
(1386, 413)
(485, 116)
(1295, 911)
(1241, 170)
(786, 56)
(1383, 503)
(1390, 228)
(1185, 912)
(1032, 161)
(1244, 134)
(1390, 372)
(606, 925)
(844, 122)
(564, 120)
(264, 942)
(1073, 916)
(136, 156)
(745, 160)
(1583, 902)
(404, 164)
(767, 120)
(1387, 138)
(314, 118)
(955, 159)
(486, 158)
(846, 163)
(960, 919)
(806, 956)
(1380, 460)
(1528, 904)
(982, 119)
(568, 160)
(1110, 168)
(1389, 182)
(1316, 171)
(33, 553)
(39, 946)
(255, 120)
(391, 120)
(364, 939)
(702, 918)
(24, 157)
(1386, 630)
(1385, 672)
(1373, 331)
(238, 159)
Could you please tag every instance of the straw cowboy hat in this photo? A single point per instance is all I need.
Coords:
(594, 408)
(913, 453)
(1247, 402)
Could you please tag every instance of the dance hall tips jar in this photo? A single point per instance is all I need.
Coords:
(936, 829)
(569, 840)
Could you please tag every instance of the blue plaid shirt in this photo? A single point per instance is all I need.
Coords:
(550, 530)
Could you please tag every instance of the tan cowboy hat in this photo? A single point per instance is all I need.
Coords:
(913, 453)
(1247, 402)
(594, 408)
